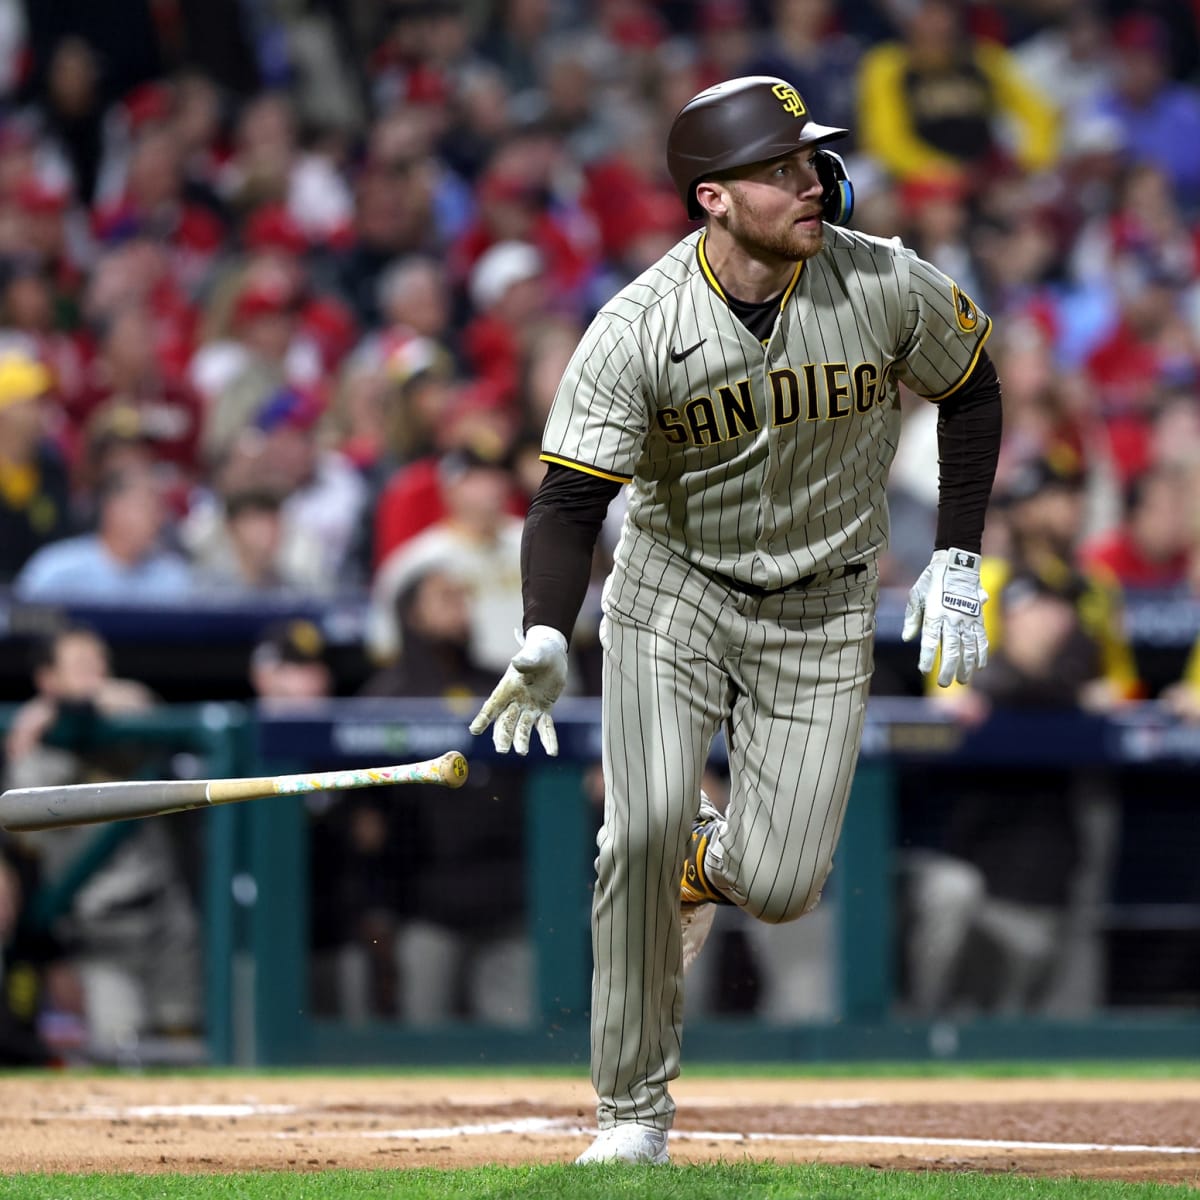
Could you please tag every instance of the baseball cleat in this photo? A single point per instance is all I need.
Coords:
(694, 887)
(695, 924)
(628, 1143)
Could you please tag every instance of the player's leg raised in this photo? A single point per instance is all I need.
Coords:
(793, 742)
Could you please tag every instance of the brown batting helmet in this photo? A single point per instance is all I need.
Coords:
(735, 123)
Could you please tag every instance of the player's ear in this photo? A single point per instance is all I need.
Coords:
(713, 197)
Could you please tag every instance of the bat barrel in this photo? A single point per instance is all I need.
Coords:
(27, 809)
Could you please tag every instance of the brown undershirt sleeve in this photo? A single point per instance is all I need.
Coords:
(969, 428)
(561, 529)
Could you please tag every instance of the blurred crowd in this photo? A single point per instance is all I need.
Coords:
(286, 288)
(284, 312)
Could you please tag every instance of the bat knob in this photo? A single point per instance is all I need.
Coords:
(453, 769)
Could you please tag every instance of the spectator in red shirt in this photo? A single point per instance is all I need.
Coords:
(272, 232)
(420, 394)
(1150, 548)
(412, 499)
(269, 166)
(390, 404)
(153, 202)
(725, 40)
(514, 206)
(137, 269)
(239, 373)
(632, 198)
(277, 255)
(126, 374)
(1151, 347)
(508, 291)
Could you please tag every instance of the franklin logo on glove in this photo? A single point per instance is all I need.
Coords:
(962, 604)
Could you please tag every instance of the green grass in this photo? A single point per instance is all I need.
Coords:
(1171, 1068)
(728, 1181)
(734, 1181)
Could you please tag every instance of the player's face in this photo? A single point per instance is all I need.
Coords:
(775, 207)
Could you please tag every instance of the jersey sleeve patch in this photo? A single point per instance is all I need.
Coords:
(965, 312)
(944, 332)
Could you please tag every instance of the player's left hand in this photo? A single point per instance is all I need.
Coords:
(945, 606)
(522, 700)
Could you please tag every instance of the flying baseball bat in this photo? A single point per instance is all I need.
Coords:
(27, 809)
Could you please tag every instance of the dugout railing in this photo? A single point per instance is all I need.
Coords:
(900, 733)
(256, 897)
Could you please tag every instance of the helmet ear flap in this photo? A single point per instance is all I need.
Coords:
(837, 194)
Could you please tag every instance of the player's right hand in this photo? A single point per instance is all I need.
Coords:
(526, 693)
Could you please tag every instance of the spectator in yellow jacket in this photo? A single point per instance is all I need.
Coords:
(941, 103)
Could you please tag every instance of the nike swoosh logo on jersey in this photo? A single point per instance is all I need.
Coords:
(677, 356)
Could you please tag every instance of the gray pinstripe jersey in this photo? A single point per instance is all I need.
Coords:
(762, 462)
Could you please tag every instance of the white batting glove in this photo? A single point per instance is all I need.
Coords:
(526, 692)
(945, 607)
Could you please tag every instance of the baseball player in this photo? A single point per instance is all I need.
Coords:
(745, 389)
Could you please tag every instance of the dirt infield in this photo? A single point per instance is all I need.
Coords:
(1097, 1128)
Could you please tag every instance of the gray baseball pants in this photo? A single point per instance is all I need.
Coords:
(786, 676)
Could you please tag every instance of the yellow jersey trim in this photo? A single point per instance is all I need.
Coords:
(566, 462)
(987, 333)
(707, 272)
(791, 287)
